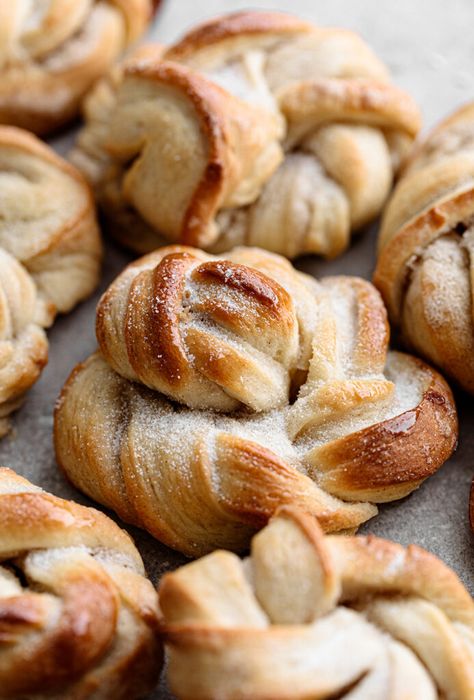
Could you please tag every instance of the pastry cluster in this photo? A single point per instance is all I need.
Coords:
(233, 401)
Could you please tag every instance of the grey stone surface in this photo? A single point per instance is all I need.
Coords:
(429, 48)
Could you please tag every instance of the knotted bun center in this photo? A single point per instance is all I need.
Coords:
(208, 333)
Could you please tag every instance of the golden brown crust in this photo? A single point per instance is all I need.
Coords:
(74, 234)
(395, 256)
(251, 302)
(325, 616)
(424, 264)
(252, 480)
(387, 471)
(235, 25)
(265, 388)
(48, 224)
(463, 113)
(291, 105)
(85, 614)
(205, 99)
(48, 65)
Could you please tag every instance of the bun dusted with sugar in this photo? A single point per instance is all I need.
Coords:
(50, 253)
(424, 266)
(227, 386)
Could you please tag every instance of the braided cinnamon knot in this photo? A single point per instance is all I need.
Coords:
(227, 386)
(314, 616)
(78, 618)
(424, 268)
(51, 53)
(48, 223)
(257, 129)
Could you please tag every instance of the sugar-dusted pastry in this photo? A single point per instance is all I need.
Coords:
(424, 269)
(52, 51)
(256, 128)
(227, 386)
(23, 344)
(314, 616)
(48, 220)
(48, 224)
(78, 618)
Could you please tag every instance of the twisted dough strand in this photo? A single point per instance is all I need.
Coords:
(229, 386)
(77, 615)
(308, 615)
